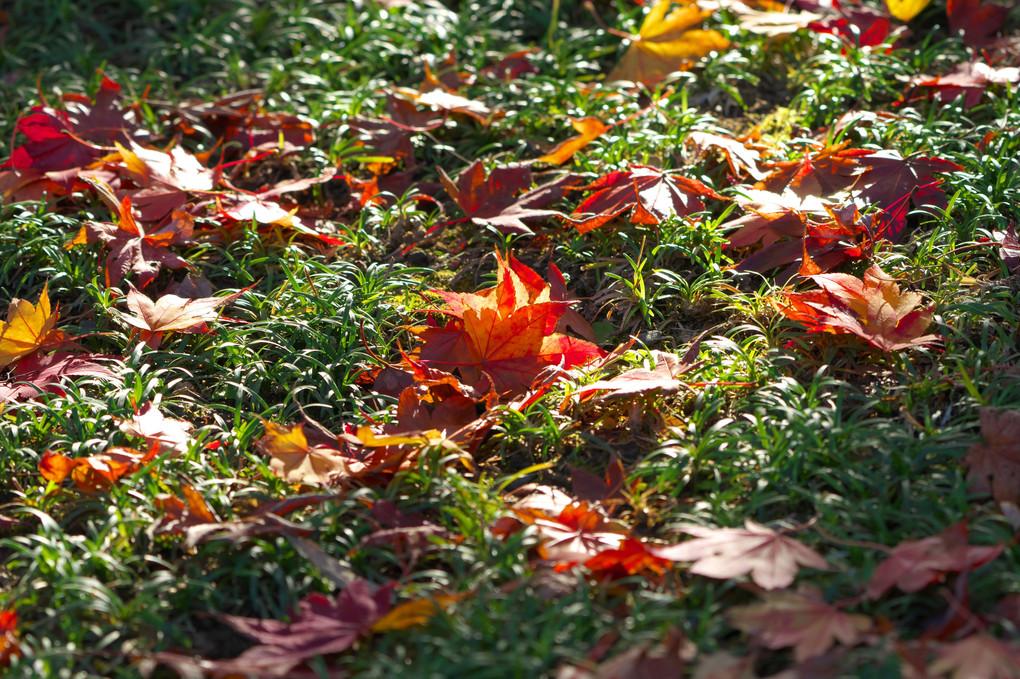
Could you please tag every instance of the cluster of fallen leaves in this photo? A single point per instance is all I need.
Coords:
(483, 354)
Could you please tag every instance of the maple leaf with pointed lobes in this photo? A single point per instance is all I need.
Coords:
(505, 333)
(971, 80)
(167, 180)
(491, 199)
(667, 42)
(664, 378)
(995, 464)
(156, 428)
(977, 657)
(666, 660)
(28, 328)
(872, 308)
(741, 159)
(771, 558)
(800, 619)
(170, 313)
(649, 194)
(37, 373)
(915, 564)
(133, 249)
(95, 473)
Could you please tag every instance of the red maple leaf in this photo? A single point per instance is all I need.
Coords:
(41, 372)
(135, 248)
(970, 79)
(872, 308)
(649, 194)
(491, 199)
(506, 333)
(995, 463)
(915, 564)
(976, 20)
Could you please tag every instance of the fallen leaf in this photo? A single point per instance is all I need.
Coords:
(95, 473)
(28, 327)
(504, 333)
(666, 660)
(666, 42)
(995, 464)
(156, 428)
(37, 373)
(800, 619)
(977, 657)
(10, 646)
(294, 459)
(771, 558)
(170, 313)
(664, 378)
(133, 249)
(872, 308)
(589, 129)
(649, 194)
(915, 564)
(318, 627)
(971, 80)
(905, 10)
(741, 159)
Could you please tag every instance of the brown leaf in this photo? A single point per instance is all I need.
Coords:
(170, 313)
(995, 464)
(978, 657)
(771, 558)
(800, 619)
(915, 564)
(664, 378)
(665, 660)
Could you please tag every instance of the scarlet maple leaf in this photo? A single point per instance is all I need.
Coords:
(62, 142)
(10, 646)
(800, 619)
(505, 333)
(995, 464)
(650, 194)
(392, 137)
(872, 308)
(771, 558)
(667, 42)
(133, 249)
(39, 372)
(166, 180)
(491, 199)
(859, 25)
(915, 564)
(170, 313)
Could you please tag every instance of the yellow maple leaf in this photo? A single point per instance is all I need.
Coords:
(28, 327)
(668, 42)
(905, 10)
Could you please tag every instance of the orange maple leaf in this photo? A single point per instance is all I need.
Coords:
(872, 307)
(506, 332)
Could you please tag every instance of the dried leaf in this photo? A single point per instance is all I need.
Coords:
(589, 129)
(37, 373)
(170, 313)
(800, 619)
(156, 428)
(978, 657)
(771, 558)
(915, 564)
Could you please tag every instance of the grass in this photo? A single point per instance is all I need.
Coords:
(864, 447)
